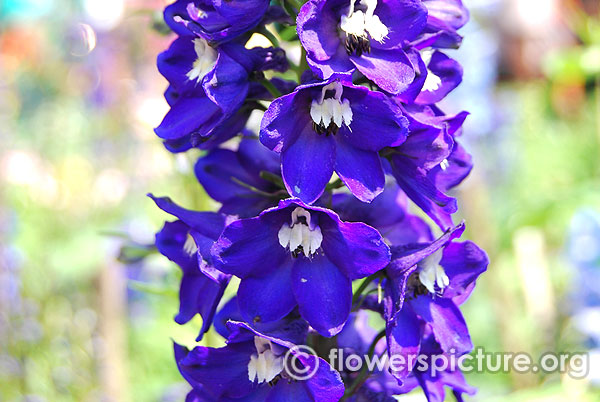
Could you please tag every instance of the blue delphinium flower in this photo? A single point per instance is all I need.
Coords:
(253, 367)
(342, 35)
(425, 284)
(216, 21)
(430, 162)
(208, 87)
(295, 254)
(187, 243)
(444, 19)
(364, 110)
(328, 126)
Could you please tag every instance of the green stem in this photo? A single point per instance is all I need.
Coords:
(336, 184)
(251, 188)
(365, 283)
(271, 88)
(273, 178)
(269, 35)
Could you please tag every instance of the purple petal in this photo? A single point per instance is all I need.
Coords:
(189, 114)
(317, 28)
(267, 298)
(249, 247)
(360, 170)
(404, 339)
(405, 257)
(284, 120)
(227, 84)
(414, 182)
(373, 111)
(307, 164)
(209, 224)
(223, 371)
(427, 149)
(286, 391)
(356, 248)
(459, 165)
(450, 74)
(323, 293)
(463, 263)
(326, 384)
(446, 321)
(405, 20)
(390, 69)
(175, 62)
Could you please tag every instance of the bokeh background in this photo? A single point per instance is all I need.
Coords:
(86, 305)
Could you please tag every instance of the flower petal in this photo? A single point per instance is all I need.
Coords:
(307, 164)
(390, 69)
(323, 293)
(249, 247)
(268, 298)
(355, 248)
(446, 321)
(404, 339)
(360, 170)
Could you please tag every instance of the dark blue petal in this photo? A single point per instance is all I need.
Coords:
(323, 293)
(267, 298)
(355, 248)
(249, 247)
(446, 321)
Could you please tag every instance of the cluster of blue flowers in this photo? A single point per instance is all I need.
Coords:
(363, 107)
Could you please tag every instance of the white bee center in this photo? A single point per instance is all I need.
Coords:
(206, 58)
(432, 81)
(264, 365)
(331, 110)
(432, 274)
(363, 21)
(190, 246)
(300, 233)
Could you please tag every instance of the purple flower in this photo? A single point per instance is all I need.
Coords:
(216, 21)
(187, 243)
(426, 283)
(208, 88)
(253, 367)
(295, 254)
(444, 19)
(234, 178)
(342, 35)
(325, 127)
(223, 72)
(430, 162)
(433, 384)
(443, 75)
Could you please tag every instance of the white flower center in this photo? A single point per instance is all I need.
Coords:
(362, 21)
(431, 273)
(206, 58)
(300, 236)
(329, 114)
(432, 82)
(445, 164)
(264, 365)
(190, 245)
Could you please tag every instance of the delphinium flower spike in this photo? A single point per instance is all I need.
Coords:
(319, 198)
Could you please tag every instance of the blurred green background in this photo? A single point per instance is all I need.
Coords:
(86, 307)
